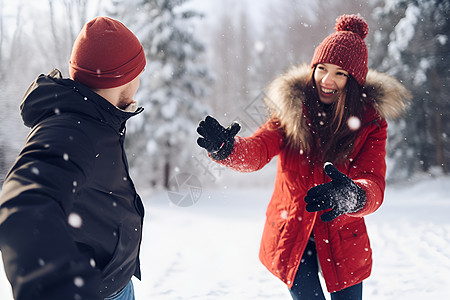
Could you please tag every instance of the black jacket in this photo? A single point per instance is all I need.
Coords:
(70, 217)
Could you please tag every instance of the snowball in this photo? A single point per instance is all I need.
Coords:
(75, 220)
(354, 123)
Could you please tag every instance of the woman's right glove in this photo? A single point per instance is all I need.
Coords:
(215, 138)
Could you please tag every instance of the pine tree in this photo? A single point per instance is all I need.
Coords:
(415, 47)
(163, 137)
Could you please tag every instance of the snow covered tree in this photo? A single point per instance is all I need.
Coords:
(413, 46)
(162, 139)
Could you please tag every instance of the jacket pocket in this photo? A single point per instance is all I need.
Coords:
(355, 247)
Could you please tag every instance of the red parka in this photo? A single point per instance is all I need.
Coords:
(343, 246)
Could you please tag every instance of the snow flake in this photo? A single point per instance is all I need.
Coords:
(57, 111)
(78, 281)
(442, 39)
(284, 214)
(92, 262)
(41, 262)
(354, 123)
(66, 156)
(35, 171)
(75, 220)
(259, 46)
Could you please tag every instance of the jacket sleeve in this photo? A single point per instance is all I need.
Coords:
(368, 169)
(252, 153)
(40, 258)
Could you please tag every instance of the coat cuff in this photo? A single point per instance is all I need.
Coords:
(374, 197)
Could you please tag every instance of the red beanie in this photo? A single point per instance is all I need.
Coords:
(106, 54)
(346, 47)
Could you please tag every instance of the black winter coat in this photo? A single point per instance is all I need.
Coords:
(70, 217)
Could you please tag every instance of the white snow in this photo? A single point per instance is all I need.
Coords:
(209, 250)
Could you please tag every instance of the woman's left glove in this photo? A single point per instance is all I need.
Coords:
(342, 195)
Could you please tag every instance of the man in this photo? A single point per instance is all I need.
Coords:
(70, 217)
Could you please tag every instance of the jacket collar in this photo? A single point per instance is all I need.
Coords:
(51, 94)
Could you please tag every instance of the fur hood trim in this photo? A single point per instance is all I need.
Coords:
(284, 98)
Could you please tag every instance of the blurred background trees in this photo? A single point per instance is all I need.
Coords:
(216, 57)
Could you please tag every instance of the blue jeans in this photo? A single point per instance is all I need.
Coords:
(307, 284)
(127, 293)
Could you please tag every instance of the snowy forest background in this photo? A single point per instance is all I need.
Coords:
(215, 57)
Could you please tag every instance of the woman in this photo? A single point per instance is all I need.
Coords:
(328, 128)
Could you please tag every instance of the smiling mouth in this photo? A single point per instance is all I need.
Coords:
(328, 91)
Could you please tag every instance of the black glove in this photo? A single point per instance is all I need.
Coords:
(216, 139)
(342, 195)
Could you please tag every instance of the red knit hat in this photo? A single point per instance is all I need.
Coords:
(106, 54)
(346, 47)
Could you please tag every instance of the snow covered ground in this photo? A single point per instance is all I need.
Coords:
(210, 250)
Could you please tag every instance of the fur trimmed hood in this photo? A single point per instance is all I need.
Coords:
(285, 94)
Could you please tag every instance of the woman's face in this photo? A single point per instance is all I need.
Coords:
(330, 82)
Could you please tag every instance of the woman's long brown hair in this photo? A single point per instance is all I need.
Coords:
(331, 136)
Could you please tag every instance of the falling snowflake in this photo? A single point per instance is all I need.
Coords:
(354, 123)
(78, 281)
(75, 220)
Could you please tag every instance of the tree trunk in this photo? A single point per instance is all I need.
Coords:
(439, 144)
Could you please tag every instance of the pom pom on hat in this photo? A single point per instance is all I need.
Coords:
(106, 54)
(346, 47)
(352, 23)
